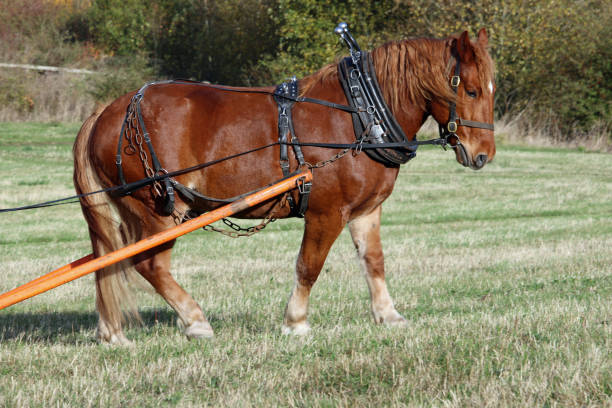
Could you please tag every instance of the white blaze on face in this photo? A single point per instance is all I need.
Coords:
(490, 87)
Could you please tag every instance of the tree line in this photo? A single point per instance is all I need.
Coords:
(553, 57)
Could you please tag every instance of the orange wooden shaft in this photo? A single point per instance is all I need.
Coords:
(90, 264)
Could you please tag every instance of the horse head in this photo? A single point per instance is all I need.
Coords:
(467, 120)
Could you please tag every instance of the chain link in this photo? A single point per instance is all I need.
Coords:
(340, 155)
(239, 231)
(324, 163)
(133, 133)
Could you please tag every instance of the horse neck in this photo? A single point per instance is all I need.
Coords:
(411, 73)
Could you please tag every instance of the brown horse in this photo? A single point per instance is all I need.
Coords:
(191, 124)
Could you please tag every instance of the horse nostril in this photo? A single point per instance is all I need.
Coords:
(481, 160)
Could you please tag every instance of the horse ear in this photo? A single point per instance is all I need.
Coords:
(464, 48)
(483, 39)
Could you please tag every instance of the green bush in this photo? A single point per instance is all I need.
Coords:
(33, 31)
(306, 37)
(119, 75)
(122, 27)
(214, 41)
(14, 95)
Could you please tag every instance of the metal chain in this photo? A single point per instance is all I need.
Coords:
(340, 155)
(324, 163)
(133, 133)
(237, 232)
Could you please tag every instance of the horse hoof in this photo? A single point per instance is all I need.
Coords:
(199, 330)
(396, 320)
(114, 340)
(399, 322)
(393, 319)
(300, 329)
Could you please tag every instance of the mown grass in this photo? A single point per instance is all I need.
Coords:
(504, 275)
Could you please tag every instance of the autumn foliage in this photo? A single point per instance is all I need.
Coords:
(553, 57)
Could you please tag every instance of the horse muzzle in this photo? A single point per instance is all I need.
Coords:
(464, 158)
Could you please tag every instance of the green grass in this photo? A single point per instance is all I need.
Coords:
(504, 275)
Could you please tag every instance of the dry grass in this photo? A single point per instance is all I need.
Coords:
(44, 97)
(523, 130)
(503, 274)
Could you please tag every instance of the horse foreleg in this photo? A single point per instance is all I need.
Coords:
(365, 231)
(319, 235)
(154, 266)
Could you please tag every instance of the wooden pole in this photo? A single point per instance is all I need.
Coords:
(89, 264)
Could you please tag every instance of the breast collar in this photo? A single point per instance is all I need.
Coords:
(373, 122)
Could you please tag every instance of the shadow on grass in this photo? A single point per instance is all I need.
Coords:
(68, 327)
(79, 328)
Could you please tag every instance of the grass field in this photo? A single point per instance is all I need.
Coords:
(505, 277)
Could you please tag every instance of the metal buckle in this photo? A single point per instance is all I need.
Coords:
(283, 120)
(455, 80)
(303, 186)
(452, 126)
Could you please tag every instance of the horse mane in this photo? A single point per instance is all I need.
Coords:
(415, 70)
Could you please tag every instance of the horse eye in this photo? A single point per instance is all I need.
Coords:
(471, 94)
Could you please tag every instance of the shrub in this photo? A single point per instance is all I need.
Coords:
(214, 41)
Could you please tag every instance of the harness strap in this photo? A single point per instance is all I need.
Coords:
(134, 114)
(285, 127)
(293, 98)
(474, 124)
(168, 206)
(450, 130)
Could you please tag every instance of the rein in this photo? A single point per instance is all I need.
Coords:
(124, 189)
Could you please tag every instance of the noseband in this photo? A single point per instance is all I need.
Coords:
(450, 130)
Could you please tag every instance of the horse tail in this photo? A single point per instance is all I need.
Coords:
(108, 233)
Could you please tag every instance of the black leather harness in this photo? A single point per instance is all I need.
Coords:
(374, 121)
(285, 95)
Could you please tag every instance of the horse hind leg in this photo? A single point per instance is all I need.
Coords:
(365, 231)
(154, 266)
(114, 299)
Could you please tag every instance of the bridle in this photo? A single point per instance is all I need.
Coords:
(449, 131)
